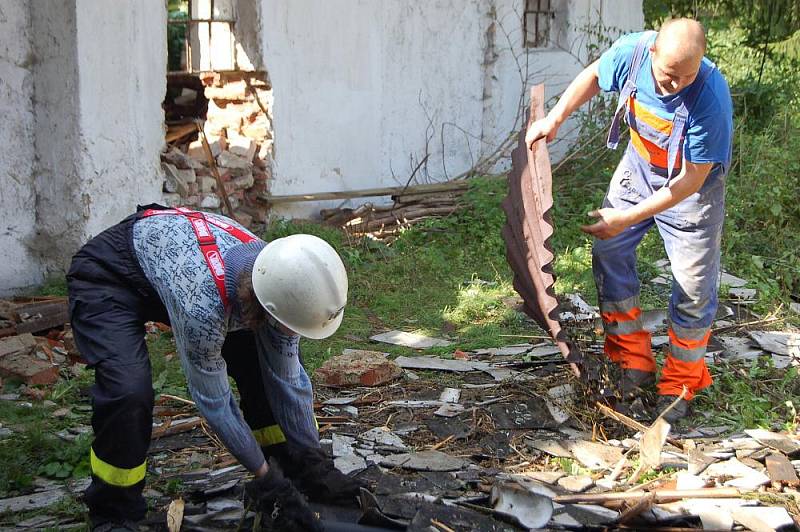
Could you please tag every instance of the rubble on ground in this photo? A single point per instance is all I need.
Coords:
(461, 446)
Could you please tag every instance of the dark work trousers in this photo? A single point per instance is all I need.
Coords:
(110, 300)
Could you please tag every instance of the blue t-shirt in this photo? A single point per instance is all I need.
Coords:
(709, 134)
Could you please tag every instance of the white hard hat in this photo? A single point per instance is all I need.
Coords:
(301, 281)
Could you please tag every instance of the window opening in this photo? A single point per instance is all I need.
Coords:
(536, 23)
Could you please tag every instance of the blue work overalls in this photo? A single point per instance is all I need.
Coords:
(691, 231)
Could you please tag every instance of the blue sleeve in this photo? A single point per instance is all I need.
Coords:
(207, 377)
(287, 386)
(612, 70)
(709, 134)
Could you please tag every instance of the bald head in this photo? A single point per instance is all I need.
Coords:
(677, 54)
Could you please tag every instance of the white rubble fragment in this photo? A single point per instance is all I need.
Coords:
(349, 410)
(560, 399)
(415, 403)
(551, 447)
(652, 442)
(509, 350)
(527, 509)
(658, 341)
(450, 395)
(406, 339)
(781, 442)
(348, 464)
(743, 294)
(548, 477)
(744, 477)
(434, 363)
(780, 343)
(594, 455)
(606, 484)
(424, 461)
(731, 280)
(337, 401)
(382, 436)
(449, 410)
(593, 514)
(737, 348)
(763, 518)
(342, 445)
(687, 481)
(565, 520)
(576, 483)
(662, 280)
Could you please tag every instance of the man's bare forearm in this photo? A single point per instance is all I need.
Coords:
(684, 185)
(582, 89)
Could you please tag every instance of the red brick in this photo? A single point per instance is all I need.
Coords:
(358, 368)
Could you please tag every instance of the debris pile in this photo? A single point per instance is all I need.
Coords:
(498, 438)
(35, 360)
(238, 129)
(412, 205)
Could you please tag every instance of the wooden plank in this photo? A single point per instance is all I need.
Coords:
(781, 471)
(659, 495)
(369, 192)
(178, 131)
(53, 314)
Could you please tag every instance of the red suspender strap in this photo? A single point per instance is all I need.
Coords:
(207, 241)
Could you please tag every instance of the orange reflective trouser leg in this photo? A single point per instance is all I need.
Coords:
(614, 269)
(692, 232)
(627, 343)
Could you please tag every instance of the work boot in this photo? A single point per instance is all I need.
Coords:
(313, 472)
(677, 413)
(281, 506)
(635, 382)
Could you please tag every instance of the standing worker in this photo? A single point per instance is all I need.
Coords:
(237, 307)
(672, 175)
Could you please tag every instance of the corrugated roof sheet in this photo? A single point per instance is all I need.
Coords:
(528, 229)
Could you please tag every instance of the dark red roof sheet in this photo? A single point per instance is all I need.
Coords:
(528, 229)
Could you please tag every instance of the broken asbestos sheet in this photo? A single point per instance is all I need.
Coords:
(528, 230)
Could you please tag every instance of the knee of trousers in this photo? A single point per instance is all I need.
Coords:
(133, 394)
(694, 310)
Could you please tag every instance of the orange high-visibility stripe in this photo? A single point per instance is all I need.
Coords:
(633, 350)
(648, 117)
(651, 152)
(618, 316)
(677, 373)
(688, 344)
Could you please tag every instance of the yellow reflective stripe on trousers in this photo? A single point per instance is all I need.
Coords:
(116, 476)
(272, 434)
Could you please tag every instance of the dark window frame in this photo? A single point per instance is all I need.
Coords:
(540, 14)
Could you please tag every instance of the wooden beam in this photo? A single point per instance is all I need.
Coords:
(369, 192)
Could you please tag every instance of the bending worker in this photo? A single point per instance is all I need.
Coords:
(672, 175)
(237, 307)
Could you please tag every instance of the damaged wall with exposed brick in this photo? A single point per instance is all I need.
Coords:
(364, 90)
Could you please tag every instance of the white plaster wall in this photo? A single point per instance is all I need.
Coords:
(19, 267)
(363, 89)
(122, 60)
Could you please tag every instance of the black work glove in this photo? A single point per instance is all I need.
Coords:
(313, 472)
(281, 506)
